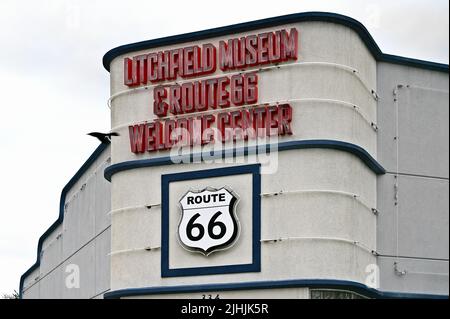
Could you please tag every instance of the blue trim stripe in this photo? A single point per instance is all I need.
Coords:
(255, 265)
(256, 220)
(296, 283)
(96, 154)
(284, 146)
(271, 22)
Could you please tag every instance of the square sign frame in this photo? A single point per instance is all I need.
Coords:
(255, 265)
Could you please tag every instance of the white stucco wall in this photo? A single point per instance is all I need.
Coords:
(413, 229)
(337, 49)
(320, 217)
(83, 239)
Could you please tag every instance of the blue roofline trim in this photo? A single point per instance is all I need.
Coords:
(359, 28)
(277, 284)
(283, 146)
(98, 151)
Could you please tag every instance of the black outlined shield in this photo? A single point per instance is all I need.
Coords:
(208, 220)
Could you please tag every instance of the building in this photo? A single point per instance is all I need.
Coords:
(286, 157)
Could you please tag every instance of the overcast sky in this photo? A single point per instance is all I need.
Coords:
(53, 88)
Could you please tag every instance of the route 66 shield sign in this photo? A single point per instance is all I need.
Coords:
(208, 220)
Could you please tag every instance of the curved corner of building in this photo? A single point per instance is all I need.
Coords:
(347, 191)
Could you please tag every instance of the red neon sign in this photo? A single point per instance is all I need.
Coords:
(210, 94)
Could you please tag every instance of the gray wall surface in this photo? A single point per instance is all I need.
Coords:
(83, 240)
(413, 137)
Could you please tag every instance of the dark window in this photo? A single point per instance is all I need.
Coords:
(334, 294)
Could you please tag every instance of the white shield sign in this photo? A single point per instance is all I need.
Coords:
(208, 220)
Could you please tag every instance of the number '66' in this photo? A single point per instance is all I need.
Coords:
(201, 230)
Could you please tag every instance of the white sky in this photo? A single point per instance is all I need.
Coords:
(53, 88)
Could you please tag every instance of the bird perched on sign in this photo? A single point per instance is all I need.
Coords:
(103, 137)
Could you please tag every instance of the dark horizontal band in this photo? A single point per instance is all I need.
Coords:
(284, 146)
(296, 283)
(270, 22)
